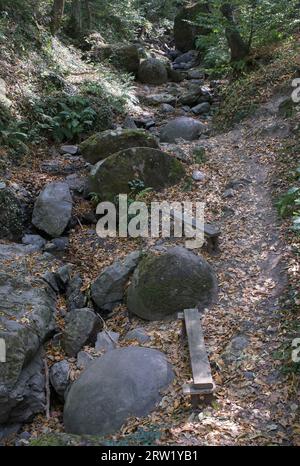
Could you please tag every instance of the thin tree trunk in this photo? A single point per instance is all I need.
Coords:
(76, 17)
(88, 14)
(238, 47)
(57, 14)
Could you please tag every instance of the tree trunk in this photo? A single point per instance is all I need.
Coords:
(76, 17)
(239, 49)
(57, 14)
(88, 14)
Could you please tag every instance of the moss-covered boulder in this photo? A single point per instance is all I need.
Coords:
(124, 57)
(102, 145)
(185, 29)
(153, 71)
(154, 168)
(11, 214)
(168, 281)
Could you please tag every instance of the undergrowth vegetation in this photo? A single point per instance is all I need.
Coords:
(274, 69)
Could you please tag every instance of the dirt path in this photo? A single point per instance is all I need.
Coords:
(253, 401)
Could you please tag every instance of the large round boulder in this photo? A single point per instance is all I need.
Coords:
(123, 383)
(170, 280)
(154, 168)
(101, 145)
(185, 29)
(153, 71)
(124, 57)
(182, 127)
(53, 209)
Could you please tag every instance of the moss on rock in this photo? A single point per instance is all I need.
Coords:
(12, 216)
(101, 145)
(168, 282)
(154, 168)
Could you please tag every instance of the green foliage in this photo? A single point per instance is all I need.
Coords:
(14, 135)
(95, 198)
(289, 205)
(114, 88)
(136, 186)
(287, 202)
(187, 185)
(199, 155)
(71, 122)
(250, 90)
(69, 118)
(260, 22)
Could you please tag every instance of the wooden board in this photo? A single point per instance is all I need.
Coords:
(210, 230)
(198, 355)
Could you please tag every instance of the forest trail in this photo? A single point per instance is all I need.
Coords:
(245, 327)
(245, 330)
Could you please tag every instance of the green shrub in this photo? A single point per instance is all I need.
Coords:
(70, 118)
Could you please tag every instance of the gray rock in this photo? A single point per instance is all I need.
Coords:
(102, 145)
(11, 214)
(107, 341)
(175, 75)
(76, 183)
(58, 245)
(107, 291)
(63, 276)
(81, 328)
(168, 281)
(238, 183)
(35, 240)
(53, 209)
(201, 108)
(182, 127)
(7, 432)
(197, 175)
(129, 123)
(29, 392)
(228, 193)
(50, 279)
(276, 129)
(138, 334)
(191, 97)
(190, 57)
(153, 167)
(177, 151)
(72, 150)
(235, 349)
(166, 108)
(195, 74)
(157, 99)
(124, 57)
(59, 377)
(27, 319)
(84, 359)
(153, 71)
(75, 297)
(123, 383)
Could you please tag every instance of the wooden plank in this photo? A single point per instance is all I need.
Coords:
(190, 389)
(210, 230)
(198, 355)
